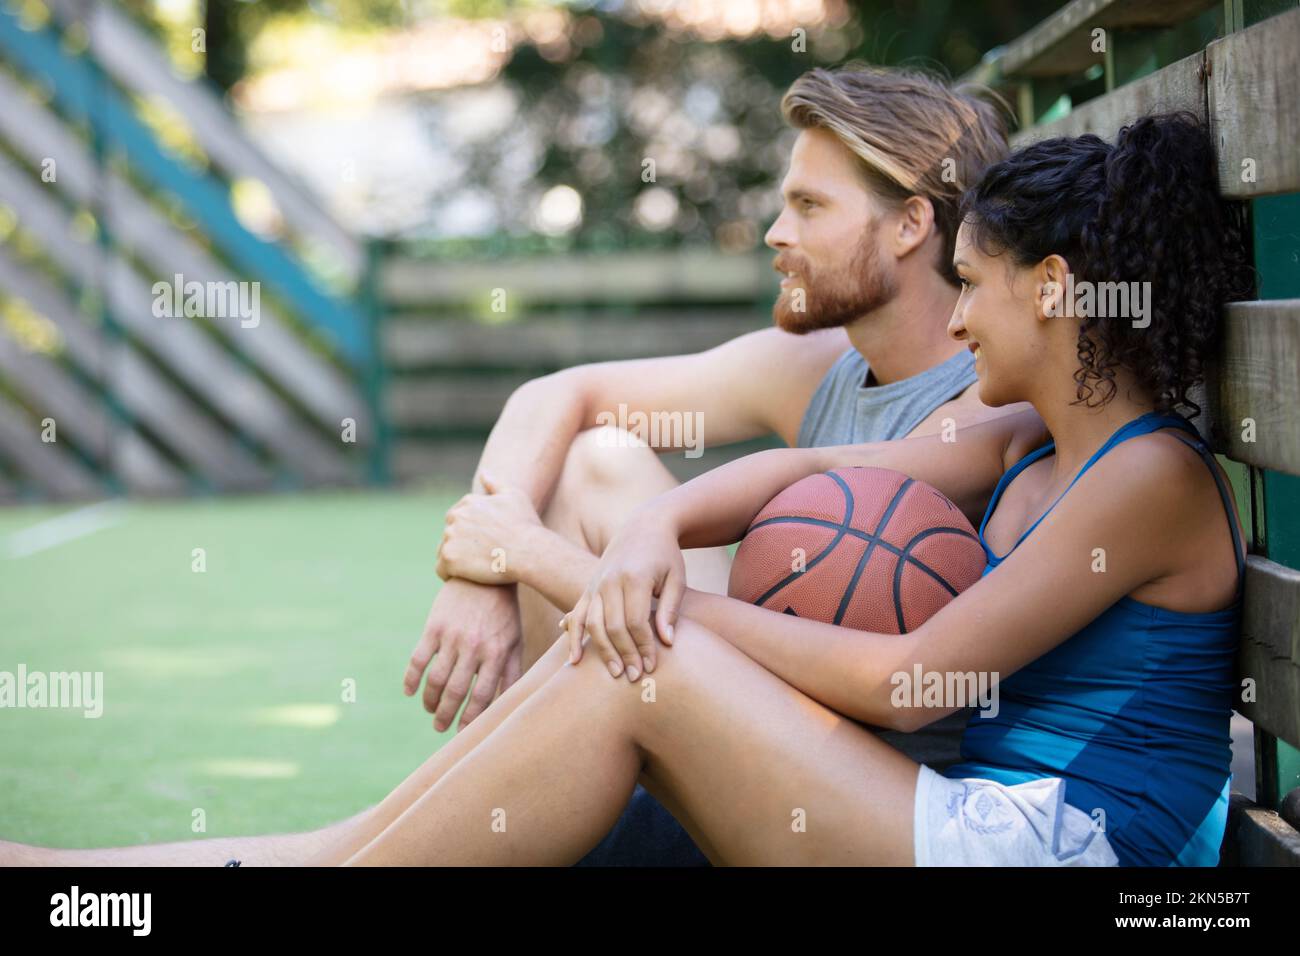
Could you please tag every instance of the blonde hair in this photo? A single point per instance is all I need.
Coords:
(914, 133)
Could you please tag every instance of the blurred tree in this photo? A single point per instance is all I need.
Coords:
(706, 114)
(954, 33)
(664, 137)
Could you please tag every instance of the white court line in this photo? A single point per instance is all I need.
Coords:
(59, 530)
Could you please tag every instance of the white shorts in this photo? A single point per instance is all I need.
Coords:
(975, 822)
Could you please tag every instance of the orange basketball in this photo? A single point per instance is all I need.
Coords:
(868, 548)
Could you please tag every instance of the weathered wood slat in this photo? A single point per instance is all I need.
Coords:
(36, 133)
(559, 343)
(450, 399)
(136, 62)
(49, 464)
(78, 413)
(425, 461)
(78, 92)
(687, 275)
(231, 389)
(1269, 653)
(1258, 378)
(1254, 89)
(469, 400)
(1063, 43)
(1178, 86)
(1257, 837)
(183, 426)
(1247, 97)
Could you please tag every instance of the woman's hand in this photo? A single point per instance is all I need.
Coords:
(480, 533)
(642, 562)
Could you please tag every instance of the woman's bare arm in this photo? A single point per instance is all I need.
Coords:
(717, 508)
(1045, 591)
(644, 557)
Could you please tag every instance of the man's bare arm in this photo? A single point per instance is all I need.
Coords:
(753, 385)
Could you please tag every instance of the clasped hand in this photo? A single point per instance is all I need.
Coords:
(618, 611)
(481, 531)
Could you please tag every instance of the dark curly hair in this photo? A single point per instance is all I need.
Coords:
(1146, 209)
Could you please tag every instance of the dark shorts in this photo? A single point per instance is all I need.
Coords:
(645, 835)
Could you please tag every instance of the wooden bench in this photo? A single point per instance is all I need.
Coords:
(1246, 86)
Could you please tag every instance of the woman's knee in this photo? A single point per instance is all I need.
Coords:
(644, 706)
(696, 657)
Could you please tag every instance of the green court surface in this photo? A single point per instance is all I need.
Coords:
(223, 691)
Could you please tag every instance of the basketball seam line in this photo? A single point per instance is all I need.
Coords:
(870, 550)
(848, 517)
(861, 536)
(852, 532)
(898, 575)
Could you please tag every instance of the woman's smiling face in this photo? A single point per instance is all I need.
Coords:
(999, 316)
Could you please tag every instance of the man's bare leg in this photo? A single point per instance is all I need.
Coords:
(601, 482)
(328, 846)
(277, 849)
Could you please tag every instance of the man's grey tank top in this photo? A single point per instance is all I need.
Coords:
(844, 411)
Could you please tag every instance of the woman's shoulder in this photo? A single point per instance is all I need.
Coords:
(1171, 454)
(1161, 464)
(1182, 510)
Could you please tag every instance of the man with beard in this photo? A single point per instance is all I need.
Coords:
(860, 353)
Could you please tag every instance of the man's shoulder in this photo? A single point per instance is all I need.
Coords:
(774, 353)
(783, 371)
(823, 343)
(775, 358)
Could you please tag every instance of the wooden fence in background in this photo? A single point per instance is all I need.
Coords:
(98, 394)
(452, 361)
(97, 205)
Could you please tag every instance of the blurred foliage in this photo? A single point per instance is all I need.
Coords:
(954, 33)
(230, 26)
(707, 112)
(618, 93)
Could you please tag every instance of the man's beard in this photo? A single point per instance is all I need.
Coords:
(836, 300)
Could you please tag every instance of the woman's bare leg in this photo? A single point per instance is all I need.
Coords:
(764, 772)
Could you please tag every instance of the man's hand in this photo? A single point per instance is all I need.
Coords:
(472, 629)
(485, 536)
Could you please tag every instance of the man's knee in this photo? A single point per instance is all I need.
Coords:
(606, 457)
(606, 473)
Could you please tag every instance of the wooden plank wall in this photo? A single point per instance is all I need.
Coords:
(450, 376)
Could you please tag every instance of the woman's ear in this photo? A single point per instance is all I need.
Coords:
(1055, 287)
(915, 223)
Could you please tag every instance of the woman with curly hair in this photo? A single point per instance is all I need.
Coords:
(1110, 744)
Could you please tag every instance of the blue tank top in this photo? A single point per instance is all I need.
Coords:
(1132, 712)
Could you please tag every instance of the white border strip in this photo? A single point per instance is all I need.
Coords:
(59, 530)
